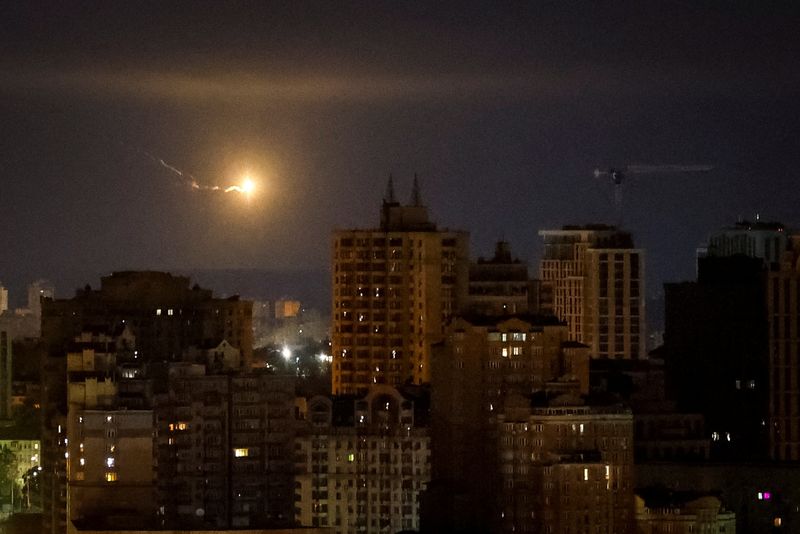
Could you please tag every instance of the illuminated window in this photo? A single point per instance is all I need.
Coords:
(585, 473)
(169, 311)
(777, 522)
(518, 336)
(240, 453)
(183, 426)
(111, 476)
(110, 462)
(158, 311)
(503, 337)
(82, 461)
(351, 457)
(516, 351)
(504, 351)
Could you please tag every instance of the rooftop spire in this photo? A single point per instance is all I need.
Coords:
(388, 198)
(416, 197)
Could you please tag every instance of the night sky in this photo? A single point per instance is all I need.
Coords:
(503, 111)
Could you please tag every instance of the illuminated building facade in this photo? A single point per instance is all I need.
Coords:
(394, 289)
(363, 462)
(593, 278)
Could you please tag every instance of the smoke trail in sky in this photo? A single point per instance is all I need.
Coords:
(189, 180)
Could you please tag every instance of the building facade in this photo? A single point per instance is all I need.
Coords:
(783, 309)
(224, 449)
(659, 511)
(500, 285)
(163, 314)
(765, 240)
(566, 467)
(363, 462)
(483, 362)
(593, 278)
(394, 289)
(6, 360)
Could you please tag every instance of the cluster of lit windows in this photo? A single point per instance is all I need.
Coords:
(507, 336)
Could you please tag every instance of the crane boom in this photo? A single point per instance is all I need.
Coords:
(649, 169)
(618, 175)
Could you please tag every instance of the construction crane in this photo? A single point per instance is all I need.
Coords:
(618, 176)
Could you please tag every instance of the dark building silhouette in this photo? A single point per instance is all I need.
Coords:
(716, 352)
(516, 447)
(501, 285)
(783, 305)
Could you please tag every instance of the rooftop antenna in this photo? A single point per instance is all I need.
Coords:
(388, 198)
(416, 197)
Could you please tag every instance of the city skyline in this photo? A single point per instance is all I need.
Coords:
(504, 114)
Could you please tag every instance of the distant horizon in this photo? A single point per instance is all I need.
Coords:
(223, 282)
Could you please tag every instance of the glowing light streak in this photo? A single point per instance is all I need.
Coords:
(247, 187)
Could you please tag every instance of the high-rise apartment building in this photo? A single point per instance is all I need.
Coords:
(224, 449)
(500, 285)
(165, 314)
(716, 355)
(783, 308)
(394, 289)
(108, 448)
(757, 239)
(565, 466)
(363, 462)
(166, 318)
(483, 362)
(3, 299)
(5, 375)
(593, 278)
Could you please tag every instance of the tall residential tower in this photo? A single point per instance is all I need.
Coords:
(394, 289)
(592, 277)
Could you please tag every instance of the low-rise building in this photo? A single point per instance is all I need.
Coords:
(662, 511)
